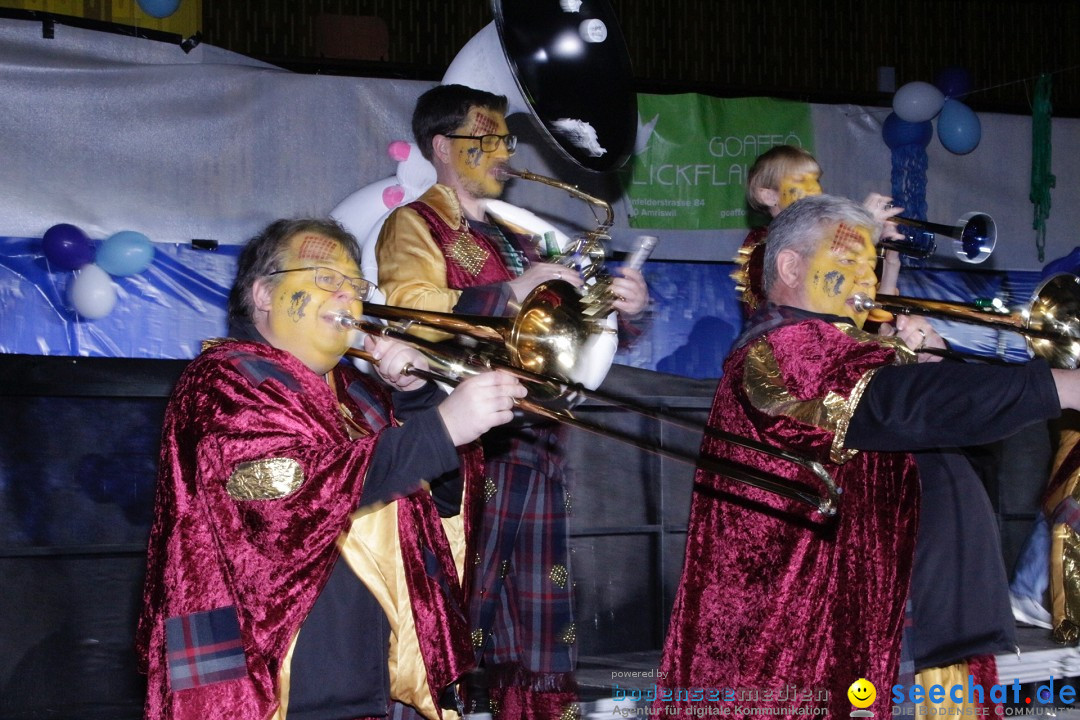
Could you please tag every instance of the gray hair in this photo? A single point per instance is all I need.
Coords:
(799, 227)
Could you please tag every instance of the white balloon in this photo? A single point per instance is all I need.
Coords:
(918, 102)
(91, 292)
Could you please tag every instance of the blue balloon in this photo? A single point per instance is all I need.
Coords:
(953, 82)
(917, 102)
(66, 247)
(125, 253)
(958, 128)
(159, 8)
(899, 133)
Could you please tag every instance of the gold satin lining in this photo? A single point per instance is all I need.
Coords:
(267, 479)
(1066, 545)
(284, 682)
(373, 552)
(946, 676)
(1064, 550)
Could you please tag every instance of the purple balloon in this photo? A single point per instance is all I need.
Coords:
(66, 247)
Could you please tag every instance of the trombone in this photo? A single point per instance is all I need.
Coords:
(1050, 322)
(545, 338)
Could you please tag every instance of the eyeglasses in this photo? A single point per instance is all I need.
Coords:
(331, 280)
(490, 143)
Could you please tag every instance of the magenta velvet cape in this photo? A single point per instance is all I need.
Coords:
(269, 558)
(772, 595)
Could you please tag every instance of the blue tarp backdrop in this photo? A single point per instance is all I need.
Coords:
(179, 300)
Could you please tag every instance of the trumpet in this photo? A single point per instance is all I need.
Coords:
(1050, 322)
(973, 237)
(545, 367)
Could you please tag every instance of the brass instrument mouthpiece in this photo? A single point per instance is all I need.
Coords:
(344, 319)
(874, 311)
(505, 172)
(863, 303)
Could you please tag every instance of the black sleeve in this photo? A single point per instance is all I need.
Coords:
(948, 404)
(487, 300)
(418, 450)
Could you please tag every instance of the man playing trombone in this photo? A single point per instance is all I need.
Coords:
(773, 596)
(297, 564)
(444, 252)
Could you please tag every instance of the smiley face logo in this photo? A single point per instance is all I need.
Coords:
(862, 693)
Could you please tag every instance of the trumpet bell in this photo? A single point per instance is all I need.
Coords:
(1055, 310)
(974, 237)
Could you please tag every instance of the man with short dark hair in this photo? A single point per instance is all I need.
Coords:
(446, 252)
(791, 607)
(298, 565)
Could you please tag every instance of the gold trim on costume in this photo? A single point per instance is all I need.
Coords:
(267, 479)
(569, 636)
(838, 453)
(766, 391)
(467, 253)
(559, 575)
(1070, 569)
(570, 712)
(741, 274)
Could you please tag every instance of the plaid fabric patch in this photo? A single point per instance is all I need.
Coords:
(204, 648)
(258, 370)
(375, 412)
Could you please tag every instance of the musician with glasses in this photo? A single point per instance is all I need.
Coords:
(445, 252)
(298, 566)
(774, 596)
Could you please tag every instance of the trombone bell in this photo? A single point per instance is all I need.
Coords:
(1050, 323)
(549, 334)
(1055, 313)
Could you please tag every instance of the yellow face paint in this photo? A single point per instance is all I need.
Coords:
(301, 318)
(797, 186)
(474, 167)
(842, 266)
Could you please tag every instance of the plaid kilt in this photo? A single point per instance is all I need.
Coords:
(521, 595)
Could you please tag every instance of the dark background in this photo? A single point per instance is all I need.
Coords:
(825, 51)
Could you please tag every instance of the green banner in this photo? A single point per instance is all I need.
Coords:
(691, 173)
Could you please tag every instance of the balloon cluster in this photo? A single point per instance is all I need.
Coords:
(91, 292)
(916, 104)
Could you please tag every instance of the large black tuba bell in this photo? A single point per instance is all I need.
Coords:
(564, 62)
